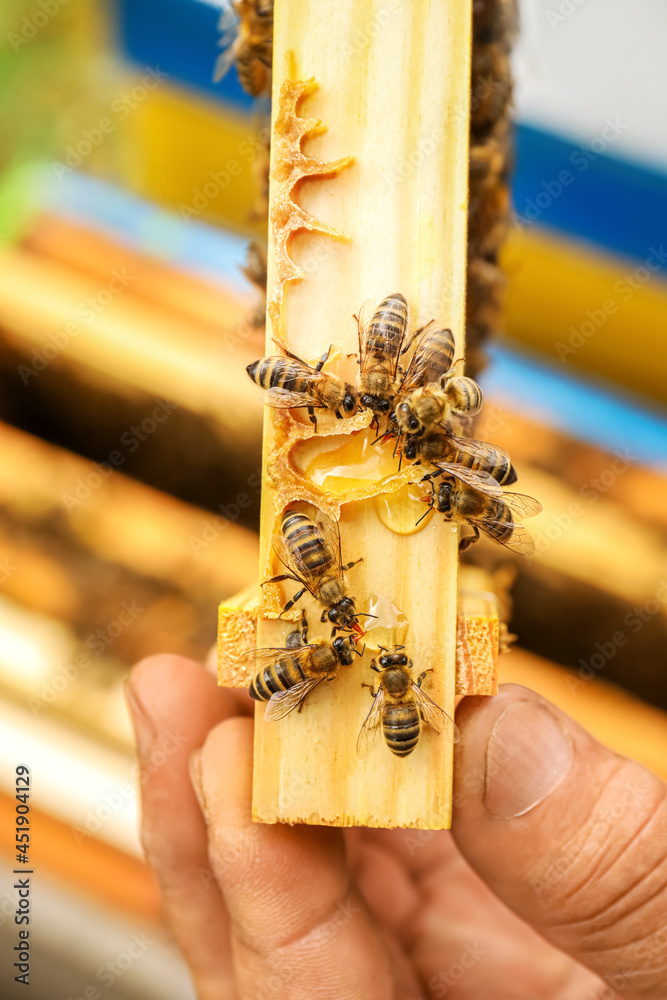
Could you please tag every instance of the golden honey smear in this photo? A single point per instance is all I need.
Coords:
(291, 166)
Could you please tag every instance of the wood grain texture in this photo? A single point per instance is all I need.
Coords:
(393, 94)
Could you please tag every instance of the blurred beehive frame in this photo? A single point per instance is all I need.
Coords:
(78, 544)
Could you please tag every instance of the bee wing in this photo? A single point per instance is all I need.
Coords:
(522, 505)
(478, 478)
(434, 716)
(285, 399)
(283, 702)
(370, 732)
(364, 317)
(294, 564)
(426, 363)
(331, 533)
(519, 541)
(261, 658)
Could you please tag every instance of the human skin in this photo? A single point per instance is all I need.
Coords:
(551, 885)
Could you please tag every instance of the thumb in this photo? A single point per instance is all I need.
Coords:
(568, 834)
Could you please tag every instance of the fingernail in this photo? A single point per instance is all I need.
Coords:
(527, 757)
(197, 781)
(144, 730)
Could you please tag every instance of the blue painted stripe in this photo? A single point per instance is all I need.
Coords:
(181, 37)
(614, 203)
(202, 250)
(589, 411)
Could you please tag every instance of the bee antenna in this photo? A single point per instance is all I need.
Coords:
(383, 648)
(362, 652)
(396, 648)
(364, 614)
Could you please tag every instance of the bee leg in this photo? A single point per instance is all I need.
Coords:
(304, 628)
(350, 565)
(423, 675)
(290, 604)
(469, 540)
(374, 666)
(323, 360)
(279, 579)
(338, 414)
(370, 686)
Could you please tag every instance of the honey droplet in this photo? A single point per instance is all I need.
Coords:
(402, 512)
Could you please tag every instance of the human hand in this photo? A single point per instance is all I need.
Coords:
(552, 884)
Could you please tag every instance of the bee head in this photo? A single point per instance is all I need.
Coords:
(382, 406)
(444, 501)
(393, 660)
(349, 402)
(407, 419)
(344, 648)
(410, 449)
(343, 613)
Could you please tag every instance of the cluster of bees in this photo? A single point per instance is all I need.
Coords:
(424, 409)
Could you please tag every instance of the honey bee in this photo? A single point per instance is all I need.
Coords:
(380, 342)
(292, 383)
(445, 451)
(311, 553)
(286, 676)
(431, 405)
(252, 49)
(467, 498)
(431, 387)
(399, 707)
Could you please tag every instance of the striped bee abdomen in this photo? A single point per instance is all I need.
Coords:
(285, 673)
(465, 395)
(387, 328)
(480, 455)
(302, 536)
(278, 371)
(496, 510)
(401, 726)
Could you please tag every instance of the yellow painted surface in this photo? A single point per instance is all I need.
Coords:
(586, 310)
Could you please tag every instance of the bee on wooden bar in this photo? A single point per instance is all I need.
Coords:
(286, 676)
(399, 708)
(252, 49)
(431, 405)
(380, 342)
(291, 383)
(310, 551)
(445, 451)
(468, 498)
